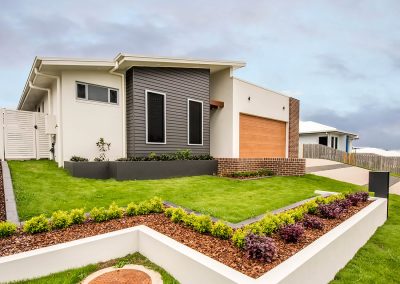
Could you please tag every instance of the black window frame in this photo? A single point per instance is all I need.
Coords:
(188, 122)
(147, 93)
(86, 98)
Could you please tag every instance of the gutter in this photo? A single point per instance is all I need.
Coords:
(122, 100)
(59, 116)
(32, 86)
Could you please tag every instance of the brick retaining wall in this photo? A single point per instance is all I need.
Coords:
(280, 166)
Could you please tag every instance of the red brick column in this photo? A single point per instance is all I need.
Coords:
(294, 112)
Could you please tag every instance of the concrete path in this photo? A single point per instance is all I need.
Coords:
(346, 173)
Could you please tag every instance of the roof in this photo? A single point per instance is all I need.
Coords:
(309, 127)
(122, 62)
(377, 151)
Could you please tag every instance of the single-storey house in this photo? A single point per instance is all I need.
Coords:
(316, 133)
(144, 104)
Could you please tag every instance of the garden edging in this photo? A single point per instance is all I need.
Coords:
(317, 263)
(11, 206)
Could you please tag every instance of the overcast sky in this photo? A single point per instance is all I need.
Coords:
(340, 58)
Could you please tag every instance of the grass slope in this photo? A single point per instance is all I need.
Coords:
(73, 276)
(41, 187)
(379, 260)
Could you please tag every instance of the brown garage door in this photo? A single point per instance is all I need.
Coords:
(262, 137)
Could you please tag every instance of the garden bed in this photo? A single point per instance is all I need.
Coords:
(141, 170)
(3, 216)
(221, 250)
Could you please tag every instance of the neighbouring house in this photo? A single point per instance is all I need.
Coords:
(316, 133)
(143, 104)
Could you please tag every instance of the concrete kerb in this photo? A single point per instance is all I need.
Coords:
(11, 206)
(259, 217)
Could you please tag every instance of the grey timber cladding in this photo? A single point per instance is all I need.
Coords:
(179, 85)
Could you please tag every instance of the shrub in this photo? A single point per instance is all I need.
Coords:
(183, 154)
(132, 209)
(248, 174)
(202, 224)
(310, 207)
(168, 212)
(357, 197)
(7, 229)
(189, 219)
(291, 233)
(260, 247)
(255, 228)
(363, 195)
(36, 225)
(344, 203)
(269, 224)
(239, 236)
(330, 211)
(285, 219)
(297, 213)
(156, 205)
(177, 215)
(312, 222)
(144, 208)
(99, 214)
(221, 230)
(114, 211)
(78, 159)
(60, 220)
(77, 216)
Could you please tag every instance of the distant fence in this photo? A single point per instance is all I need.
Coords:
(368, 161)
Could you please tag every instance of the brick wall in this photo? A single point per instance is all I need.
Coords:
(294, 111)
(280, 166)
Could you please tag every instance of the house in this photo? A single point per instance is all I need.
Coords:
(316, 133)
(144, 104)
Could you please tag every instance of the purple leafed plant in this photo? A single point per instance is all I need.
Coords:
(344, 203)
(260, 247)
(330, 211)
(362, 195)
(312, 222)
(354, 198)
(291, 233)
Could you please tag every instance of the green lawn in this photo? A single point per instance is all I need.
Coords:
(73, 276)
(379, 260)
(41, 187)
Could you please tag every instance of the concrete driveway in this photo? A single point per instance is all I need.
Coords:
(346, 173)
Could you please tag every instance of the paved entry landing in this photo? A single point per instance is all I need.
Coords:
(346, 173)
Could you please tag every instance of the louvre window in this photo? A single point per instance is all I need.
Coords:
(96, 93)
(155, 117)
(195, 122)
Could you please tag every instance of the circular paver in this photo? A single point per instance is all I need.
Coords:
(127, 274)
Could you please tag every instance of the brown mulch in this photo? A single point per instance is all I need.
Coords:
(2, 199)
(123, 276)
(220, 250)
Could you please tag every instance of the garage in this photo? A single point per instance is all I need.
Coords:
(262, 137)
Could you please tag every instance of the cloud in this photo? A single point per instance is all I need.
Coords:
(331, 65)
(378, 126)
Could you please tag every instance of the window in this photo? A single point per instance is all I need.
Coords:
(96, 93)
(334, 142)
(195, 122)
(323, 140)
(155, 117)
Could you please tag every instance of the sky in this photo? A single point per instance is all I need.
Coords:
(340, 58)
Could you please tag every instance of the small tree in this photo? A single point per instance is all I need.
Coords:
(103, 147)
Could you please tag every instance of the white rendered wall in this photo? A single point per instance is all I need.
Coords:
(263, 103)
(84, 122)
(221, 124)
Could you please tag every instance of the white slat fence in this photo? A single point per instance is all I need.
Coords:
(22, 135)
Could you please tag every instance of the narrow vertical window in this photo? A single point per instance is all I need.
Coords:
(155, 117)
(81, 91)
(195, 122)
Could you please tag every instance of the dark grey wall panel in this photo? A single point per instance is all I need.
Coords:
(179, 85)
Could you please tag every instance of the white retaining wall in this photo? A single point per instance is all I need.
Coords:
(317, 263)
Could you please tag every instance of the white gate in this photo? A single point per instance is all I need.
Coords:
(23, 135)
